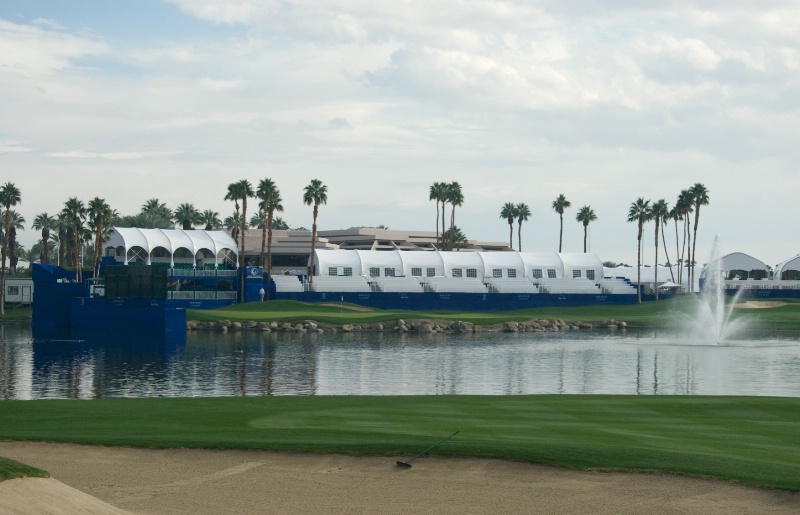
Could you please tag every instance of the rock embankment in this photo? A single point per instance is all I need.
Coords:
(423, 326)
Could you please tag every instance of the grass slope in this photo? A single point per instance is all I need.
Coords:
(649, 314)
(750, 440)
(10, 469)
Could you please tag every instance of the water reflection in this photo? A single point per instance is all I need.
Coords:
(251, 363)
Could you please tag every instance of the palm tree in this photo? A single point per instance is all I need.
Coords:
(45, 223)
(315, 193)
(17, 222)
(523, 213)
(639, 212)
(700, 196)
(100, 214)
(684, 207)
(62, 225)
(559, 205)
(272, 203)
(457, 237)
(186, 215)
(9, 196)
(271, 200)
(438, 192)
(74, 213)
(210, 219)
(584, 216)
(658, 212)
(279, 224)
(456, 198)
(232, 224)
(509, 212)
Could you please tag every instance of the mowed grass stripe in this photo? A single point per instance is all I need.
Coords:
(746, 439)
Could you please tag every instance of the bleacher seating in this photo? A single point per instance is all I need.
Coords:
(617, 285)
(330, 283)
(520, 285)
(569, 286)
(455, 285)
(398, 284)
(287, 283)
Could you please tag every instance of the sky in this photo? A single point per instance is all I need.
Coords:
(518, 101)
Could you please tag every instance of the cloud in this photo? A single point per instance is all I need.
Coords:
(12, 147)
(114, 156)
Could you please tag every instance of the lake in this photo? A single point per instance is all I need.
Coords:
(251, 363)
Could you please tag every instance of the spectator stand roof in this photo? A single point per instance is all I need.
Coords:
(735, 261)
(783, 269)
(171, 240)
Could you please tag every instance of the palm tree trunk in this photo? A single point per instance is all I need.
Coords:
(656, 263)
(44, 258)
(313, 246)
(269, 242)
(511, 235)
(639, 264)
(3, 263)
(437, 220)
(585, 231)
(561, 232)
(519, 236)
(694, 239)
(444, 206)
(263, 235)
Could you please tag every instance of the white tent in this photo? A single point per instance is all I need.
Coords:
(786, 267)
(129, 239)
(503, 264)
(736, 261)
(463, 264)
(545, 265)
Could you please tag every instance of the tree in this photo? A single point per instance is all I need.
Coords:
(584, 216)
(17, 222)
(232, 224)
(45, 223)
(659, 212)
(559, 205)
(315, 193)
(684, 207)
(456, 198)
(523, 213)
(270, 197)
(10, 196)
(279, 224)
(639, 212)
(100, 214)
(438, 192)
(241, 190)
(700, 197)
(509, 212)
(456, 237)
(210, 219)
(186, 215)
(74, 213)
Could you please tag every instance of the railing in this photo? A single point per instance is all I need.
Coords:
(202, 295)
(199, 272)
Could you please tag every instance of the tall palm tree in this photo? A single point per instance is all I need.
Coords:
(272, 204)
(523, 213)
(45, 223)
(62, 225)
(438, 192)
(210, 219)
(17, 222)
(232, 223)
(457, 237)
(559, 205)
(509, 212)
(456, 199)
(584, 216)
(700, 196)
(639, 212)
(270, 197)
(186, 215)
(100, 215)
(10, 196)
(684, 207)
(658, 212)
(315, 193)
(74, 213)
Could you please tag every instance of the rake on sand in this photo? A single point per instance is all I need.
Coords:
(407, 463)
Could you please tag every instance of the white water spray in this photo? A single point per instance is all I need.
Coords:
(712, 324)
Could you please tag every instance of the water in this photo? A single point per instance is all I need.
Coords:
(251, 363)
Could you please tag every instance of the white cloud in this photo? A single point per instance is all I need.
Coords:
(81, 154)
(9, 147)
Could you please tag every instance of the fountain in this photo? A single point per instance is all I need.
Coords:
(712, 323)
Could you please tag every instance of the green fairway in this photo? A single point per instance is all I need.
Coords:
(665, 313)
(750, 440)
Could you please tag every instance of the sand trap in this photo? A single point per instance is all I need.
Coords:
(196, 482)
(757, 304)
(36, 495)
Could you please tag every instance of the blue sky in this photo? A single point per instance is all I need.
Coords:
(604, 102)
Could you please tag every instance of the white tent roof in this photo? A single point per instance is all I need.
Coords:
(734, 261)
(329, 258)
(421, 259)
(580, 261)
(381, 259)
(461, 259)
(492, 260)
(171, 240)
(543, 261)
(789, 264)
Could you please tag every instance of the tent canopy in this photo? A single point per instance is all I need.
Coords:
(171, 240)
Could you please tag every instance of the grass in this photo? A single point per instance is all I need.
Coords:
(16, 314)
(648, 314)
(750, 440)
(10, 469)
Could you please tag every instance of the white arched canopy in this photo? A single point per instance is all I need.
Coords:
(788, 270)
(748, 266)
(171, 239)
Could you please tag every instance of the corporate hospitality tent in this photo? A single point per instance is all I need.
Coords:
(131, 244)
(788, 270)
(737, 265)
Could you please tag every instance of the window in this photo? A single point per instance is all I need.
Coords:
(590, 275)
(456, 272)
(537, 273)
(348, 271)
(512, 273)
(374, 271)
(431, 272)
(497, 273)
(13, 290)
(576, 274)
(388, 272)
(416, 272)
(551, 273)
(333, 271)
(472, 272)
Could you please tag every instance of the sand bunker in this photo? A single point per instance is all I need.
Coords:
(757, 304)
(201, 481)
